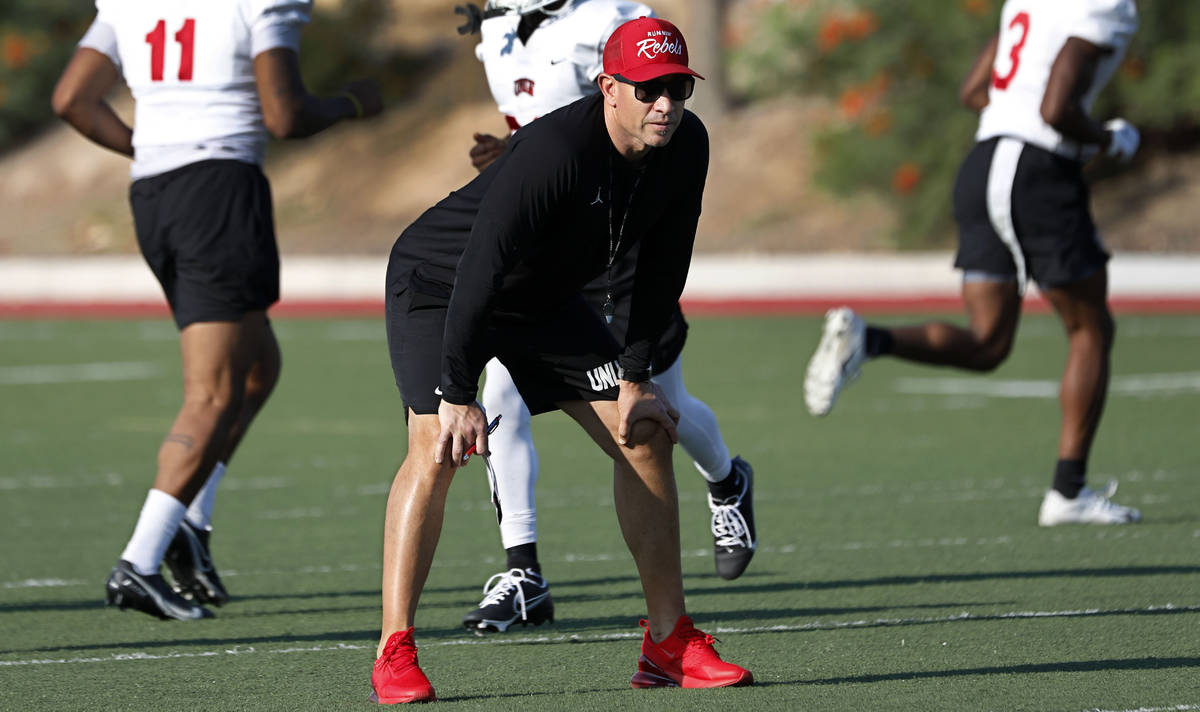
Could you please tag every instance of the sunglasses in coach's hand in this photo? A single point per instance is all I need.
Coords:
(677, 86)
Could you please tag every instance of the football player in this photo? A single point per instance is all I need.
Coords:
(1022, 210)
(210, 80)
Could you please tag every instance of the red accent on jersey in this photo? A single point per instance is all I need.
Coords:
(523, 86)
(186, 37)
(157, 38)
(998, 81)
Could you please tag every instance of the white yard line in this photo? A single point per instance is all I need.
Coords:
(1172, 708)
(1139, 385)
(77, 373)
(603, 637)
(44, 583)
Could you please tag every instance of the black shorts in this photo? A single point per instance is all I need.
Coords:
(1023, 211)
(207, 233)
(566, 355)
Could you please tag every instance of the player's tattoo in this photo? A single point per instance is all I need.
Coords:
(185, 440)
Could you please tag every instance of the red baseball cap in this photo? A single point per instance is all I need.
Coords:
(646, 48)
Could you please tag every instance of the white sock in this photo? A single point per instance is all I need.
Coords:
(200, 512)
(699, 433)
(513, 457)
(156, 526)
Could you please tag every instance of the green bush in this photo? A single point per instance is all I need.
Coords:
(893, 69)
(37, 37)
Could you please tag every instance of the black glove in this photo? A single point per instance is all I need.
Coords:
(474, 18)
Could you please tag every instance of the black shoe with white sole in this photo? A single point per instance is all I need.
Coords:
(513, 596)
(191, 566)
(126, 588)
(734, 538)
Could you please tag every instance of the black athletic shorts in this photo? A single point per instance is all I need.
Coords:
(1023, 211)
(207, 233)
(566, 355)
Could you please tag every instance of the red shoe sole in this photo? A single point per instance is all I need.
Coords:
(650, 675)
(374, 697)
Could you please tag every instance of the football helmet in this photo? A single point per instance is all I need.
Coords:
(524, 7)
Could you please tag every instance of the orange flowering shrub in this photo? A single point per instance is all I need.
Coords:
(906, 178)
(15, 50)
(977, 7)
(892, 70)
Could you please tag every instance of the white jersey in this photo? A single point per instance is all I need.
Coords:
(190, 66)
(1032, 32)
(559, 64)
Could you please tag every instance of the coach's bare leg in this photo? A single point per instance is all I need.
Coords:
(993, 308)
(1083, 308)
(647, 506)
(413, 525)
(216, 358)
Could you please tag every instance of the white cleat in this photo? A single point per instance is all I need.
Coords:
(1088, 507)
(837, 360)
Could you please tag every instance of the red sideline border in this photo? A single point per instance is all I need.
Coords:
(365, 308)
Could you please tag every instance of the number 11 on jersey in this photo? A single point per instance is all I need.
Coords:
(157, 39)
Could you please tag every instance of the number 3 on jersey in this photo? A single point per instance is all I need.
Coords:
(157, 39)
(1001, 83)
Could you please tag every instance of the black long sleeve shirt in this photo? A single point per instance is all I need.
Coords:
(538, 224)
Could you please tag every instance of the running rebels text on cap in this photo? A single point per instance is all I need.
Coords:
(645, 49)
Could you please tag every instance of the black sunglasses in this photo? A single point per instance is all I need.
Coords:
(677, 86)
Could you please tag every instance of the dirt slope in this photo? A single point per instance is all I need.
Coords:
(355, 187)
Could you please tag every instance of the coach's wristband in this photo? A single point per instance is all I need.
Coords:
(456, 396)
(358, 107)
(639, 375)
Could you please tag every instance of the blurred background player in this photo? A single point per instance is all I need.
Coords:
(210, 80)
(1021, 204)
(539, 56)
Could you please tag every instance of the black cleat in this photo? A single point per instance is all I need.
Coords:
(126, 588)
(734, 539)
(518, 596)
(192, 567)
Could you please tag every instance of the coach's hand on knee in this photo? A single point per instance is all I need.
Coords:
(642, 409)
(462, 426)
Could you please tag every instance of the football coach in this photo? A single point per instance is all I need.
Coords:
(494, 270)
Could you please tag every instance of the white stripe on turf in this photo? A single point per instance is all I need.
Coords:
(45, 583)
(630, 635)
(77, 373)
(1150, 384)
(1173, 708)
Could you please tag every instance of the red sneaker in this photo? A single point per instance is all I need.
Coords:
(397, 677)
(685, 658)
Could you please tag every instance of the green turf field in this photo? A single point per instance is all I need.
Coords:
(900, 566)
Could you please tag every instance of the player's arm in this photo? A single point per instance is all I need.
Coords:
(1070, 78)
(79, 100)
(289, 111)
(973, 93)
